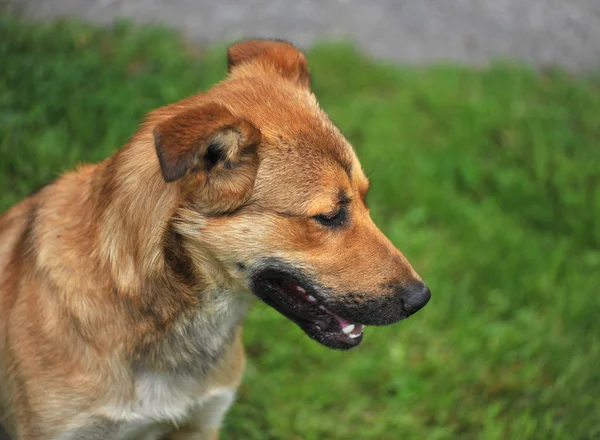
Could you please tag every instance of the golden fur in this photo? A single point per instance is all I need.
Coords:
(129, 275)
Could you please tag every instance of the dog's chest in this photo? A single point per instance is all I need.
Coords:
(161, 399)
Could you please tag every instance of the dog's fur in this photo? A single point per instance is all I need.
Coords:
(123, 285)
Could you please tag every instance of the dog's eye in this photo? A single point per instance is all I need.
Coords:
(332, 220)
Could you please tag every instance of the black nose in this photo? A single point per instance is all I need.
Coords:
(414, 296)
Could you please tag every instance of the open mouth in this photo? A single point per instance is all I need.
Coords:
(299, 302)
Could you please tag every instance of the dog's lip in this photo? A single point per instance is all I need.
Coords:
(301, 304)
(349, 328)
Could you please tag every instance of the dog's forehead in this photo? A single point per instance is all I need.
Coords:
(310, 166)
(302, 151)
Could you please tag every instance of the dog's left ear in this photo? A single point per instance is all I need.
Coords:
(280, 56)
(212, 152)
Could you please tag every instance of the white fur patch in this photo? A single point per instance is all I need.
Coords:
(212, 412)
(162, 399)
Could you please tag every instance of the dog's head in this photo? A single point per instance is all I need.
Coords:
(275, 199)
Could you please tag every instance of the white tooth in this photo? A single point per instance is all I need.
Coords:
(322, 308)
(354, 336)
(300, 289)
(348, 329)
(311, 298)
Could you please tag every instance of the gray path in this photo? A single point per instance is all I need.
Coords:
(543, 32)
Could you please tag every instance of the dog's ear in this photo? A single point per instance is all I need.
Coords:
(280, 56)
(212, 151)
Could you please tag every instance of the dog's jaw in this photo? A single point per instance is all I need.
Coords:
(293, 295)
(350, 329)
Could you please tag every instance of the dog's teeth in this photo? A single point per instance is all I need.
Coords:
(311, 298)
(300, 289)
(348, 329)
(357, 331)
(322, 308)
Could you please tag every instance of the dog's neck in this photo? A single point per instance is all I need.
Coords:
(182, 316)
(134, 206)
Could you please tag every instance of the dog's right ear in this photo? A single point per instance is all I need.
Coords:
(281, 56)
(200, 139)
(215, 151)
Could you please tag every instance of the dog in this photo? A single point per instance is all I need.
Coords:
(124, 284)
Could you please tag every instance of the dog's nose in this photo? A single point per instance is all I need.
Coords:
(415, 295)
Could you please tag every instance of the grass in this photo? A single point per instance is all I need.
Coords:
(488, 180)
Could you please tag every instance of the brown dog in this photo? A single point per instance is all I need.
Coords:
(123, 285)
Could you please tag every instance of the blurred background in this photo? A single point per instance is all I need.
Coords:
(478, 122)
(543, 32)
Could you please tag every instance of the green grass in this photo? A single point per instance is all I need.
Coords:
(488, 180)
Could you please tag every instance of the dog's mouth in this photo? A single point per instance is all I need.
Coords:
(299, 302)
